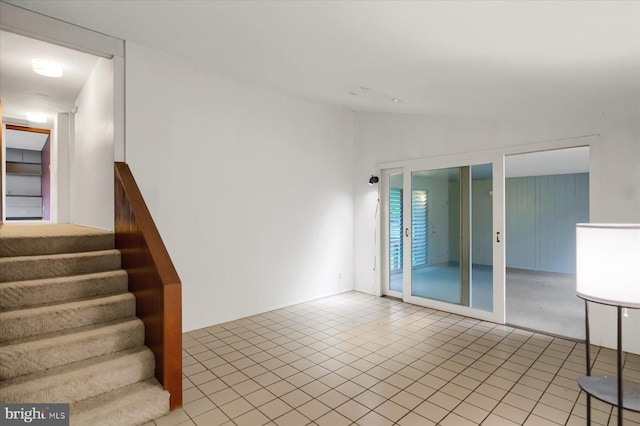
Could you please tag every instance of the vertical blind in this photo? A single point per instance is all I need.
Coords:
(395, 230)
(419, 229)
(419, 221)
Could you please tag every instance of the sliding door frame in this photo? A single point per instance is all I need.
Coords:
(498, 292)
(385, 231)
(497, 158)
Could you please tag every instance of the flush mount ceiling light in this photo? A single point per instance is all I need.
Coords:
(47, 68)
(37, 117)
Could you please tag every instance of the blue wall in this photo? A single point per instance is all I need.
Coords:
(541, 217)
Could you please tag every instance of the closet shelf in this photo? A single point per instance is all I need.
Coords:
(24, 169)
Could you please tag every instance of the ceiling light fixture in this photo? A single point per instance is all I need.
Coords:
(47, 68)
(37, 117)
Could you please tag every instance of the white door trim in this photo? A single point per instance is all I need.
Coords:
(385, 233)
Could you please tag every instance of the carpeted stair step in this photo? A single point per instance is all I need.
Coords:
(19, 294)
(28, 356)
(52, 239)
(80, 380)
(22, 323)
(68, 331)
(22, 268)
(131, 405)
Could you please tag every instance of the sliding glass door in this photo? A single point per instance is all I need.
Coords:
(392, 188)
(443, 234)
(436, 267)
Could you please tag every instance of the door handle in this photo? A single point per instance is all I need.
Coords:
(406, 232)
(498, 237)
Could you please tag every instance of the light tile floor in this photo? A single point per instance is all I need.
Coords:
(355, 359)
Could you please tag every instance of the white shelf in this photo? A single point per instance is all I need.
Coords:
(605, 388)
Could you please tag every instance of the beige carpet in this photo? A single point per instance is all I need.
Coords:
(20, 230)
(31, 239)
(68, 331)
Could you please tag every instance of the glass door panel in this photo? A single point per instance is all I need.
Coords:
(393, 252)
(451, 235)
(435, 217)
(396, 252)
(482, 237)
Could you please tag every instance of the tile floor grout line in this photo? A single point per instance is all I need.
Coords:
(392, 337)
(484, 380)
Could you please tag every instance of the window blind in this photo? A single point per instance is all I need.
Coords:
(395, 229)
(419, 229)
(419, 221)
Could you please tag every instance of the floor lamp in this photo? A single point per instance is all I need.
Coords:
(608, 272)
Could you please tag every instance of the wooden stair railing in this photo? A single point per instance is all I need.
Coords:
(152, 279)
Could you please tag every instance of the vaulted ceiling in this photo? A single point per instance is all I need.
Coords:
(564, 59)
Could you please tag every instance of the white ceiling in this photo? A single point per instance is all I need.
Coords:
(560, 59)
(22, 90)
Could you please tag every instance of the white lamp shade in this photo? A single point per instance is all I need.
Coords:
(608, 263)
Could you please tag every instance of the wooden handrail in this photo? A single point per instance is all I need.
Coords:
(152, 279)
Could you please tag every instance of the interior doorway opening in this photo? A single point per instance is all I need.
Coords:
(546, 194)
(39, 158)
(28, 177)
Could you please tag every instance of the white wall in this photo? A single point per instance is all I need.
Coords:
(252, 191)
(392, 137)
(61, 137)
(92, 151)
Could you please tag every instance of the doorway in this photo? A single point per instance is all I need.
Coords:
(39, 148)
(546, 177)
(546, 194)
(28, 180)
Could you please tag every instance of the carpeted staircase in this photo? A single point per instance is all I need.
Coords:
(68, 330)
